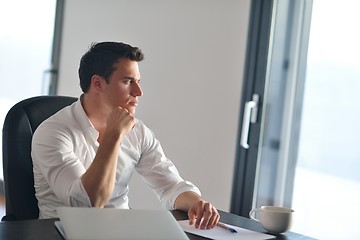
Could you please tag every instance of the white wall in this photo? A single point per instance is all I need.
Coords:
(191, 77)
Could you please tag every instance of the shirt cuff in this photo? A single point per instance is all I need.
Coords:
(168, 202)
(78, 195)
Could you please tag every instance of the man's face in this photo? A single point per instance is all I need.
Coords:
(123, 88)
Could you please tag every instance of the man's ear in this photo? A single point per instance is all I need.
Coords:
(96, 83)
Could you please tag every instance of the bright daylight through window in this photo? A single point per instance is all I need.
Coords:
(327, 180)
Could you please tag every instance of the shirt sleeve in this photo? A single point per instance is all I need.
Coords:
(53, 154)
(160, 173)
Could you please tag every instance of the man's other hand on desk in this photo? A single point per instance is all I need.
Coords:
(200, 212)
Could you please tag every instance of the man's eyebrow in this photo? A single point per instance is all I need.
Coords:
(128, 78)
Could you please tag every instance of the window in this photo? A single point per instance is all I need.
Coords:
(303, 144)
(26, 38)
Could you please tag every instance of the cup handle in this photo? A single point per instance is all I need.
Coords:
(252, 214)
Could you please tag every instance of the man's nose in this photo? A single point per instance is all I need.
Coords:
(136, 89)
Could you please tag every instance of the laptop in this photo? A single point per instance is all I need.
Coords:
(108, 223)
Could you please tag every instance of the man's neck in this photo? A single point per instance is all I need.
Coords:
(95, 112)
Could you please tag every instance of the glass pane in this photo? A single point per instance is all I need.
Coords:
(327, 180)
(282, 89)
(308, 156)
(26, 35)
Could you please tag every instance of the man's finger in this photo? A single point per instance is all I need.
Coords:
(192, 217)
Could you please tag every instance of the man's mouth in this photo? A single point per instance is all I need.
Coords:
(133, 103)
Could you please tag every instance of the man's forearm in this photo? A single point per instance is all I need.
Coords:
(99, 179)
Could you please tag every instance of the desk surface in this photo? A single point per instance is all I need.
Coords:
(45, 229)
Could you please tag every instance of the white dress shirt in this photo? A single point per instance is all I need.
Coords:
(64, 146)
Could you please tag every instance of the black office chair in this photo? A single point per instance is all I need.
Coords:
(19, 126)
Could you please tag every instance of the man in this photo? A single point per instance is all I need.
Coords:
(85, 154)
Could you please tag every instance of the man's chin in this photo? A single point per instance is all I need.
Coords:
(131, 110)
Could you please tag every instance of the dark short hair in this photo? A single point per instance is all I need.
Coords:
(101, 58)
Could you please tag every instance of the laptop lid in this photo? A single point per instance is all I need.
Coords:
(108, 223)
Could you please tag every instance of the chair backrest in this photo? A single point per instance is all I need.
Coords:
(19, 126)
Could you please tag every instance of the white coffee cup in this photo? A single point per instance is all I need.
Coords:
(273, 219)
